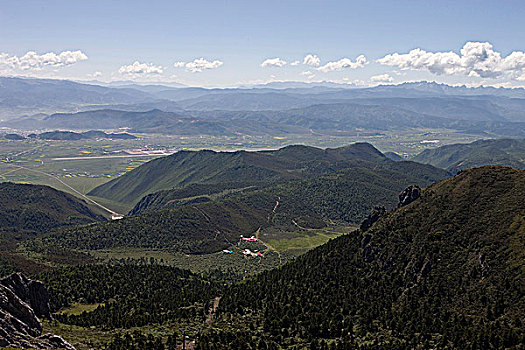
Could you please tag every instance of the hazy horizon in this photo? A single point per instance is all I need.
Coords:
(234, 43)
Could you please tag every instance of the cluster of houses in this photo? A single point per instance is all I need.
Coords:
(246, 252)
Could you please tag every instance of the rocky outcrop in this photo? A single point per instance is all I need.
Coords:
(409, 194)
(21, 302)
(31, 292)
(376, 213)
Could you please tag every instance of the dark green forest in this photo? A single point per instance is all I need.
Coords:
(130, 295)
(443, 272)
(211, 225)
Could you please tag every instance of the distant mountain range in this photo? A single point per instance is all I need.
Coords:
(321, 118)
(19, 97)
(277, 108)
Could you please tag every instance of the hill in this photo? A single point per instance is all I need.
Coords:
(241, 169)
(445, 271)
(206, 225)
(92, 134)
(14, 137)
(345, 195)
(30, 210)
(37, 209)
(456, 157)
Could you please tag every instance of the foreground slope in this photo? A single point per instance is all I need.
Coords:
(445, 271)
(240, 169)
(508, 152)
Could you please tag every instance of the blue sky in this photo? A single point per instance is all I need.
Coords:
(235, 37)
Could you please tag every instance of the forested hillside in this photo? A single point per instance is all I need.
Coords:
(37, 209)
(241, 169)
(456, 157)
(206, 226)
(128, 295)
(29, 210)
(444, 271)
(347, 195)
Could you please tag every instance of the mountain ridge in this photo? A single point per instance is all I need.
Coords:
(456, 157)
(247, 168)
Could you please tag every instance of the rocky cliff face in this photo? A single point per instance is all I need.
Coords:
(22, 301)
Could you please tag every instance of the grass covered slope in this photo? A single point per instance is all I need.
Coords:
(445, 271)
(241, 169)
(507, 152)
(206, 227)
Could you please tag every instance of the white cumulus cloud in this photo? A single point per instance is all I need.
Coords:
(273, 62)
(200, 64)
(477, 59)
(312, 60)
(179, 64)
(295, 63)
(381, 78)
(343, 63)
(138, 68)
(32, 60)
(308, 74)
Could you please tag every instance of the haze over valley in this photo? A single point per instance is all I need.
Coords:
(287, 175)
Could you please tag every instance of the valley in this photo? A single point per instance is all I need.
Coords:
(262, 175)
(223, 232)
(77, 163)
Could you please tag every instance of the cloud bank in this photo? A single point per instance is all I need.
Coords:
(476, 59)
(273, 62)
(312, 60)
(33, 61)
(200, 64)
(138, 68)
(344, 63)
(382, 78)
